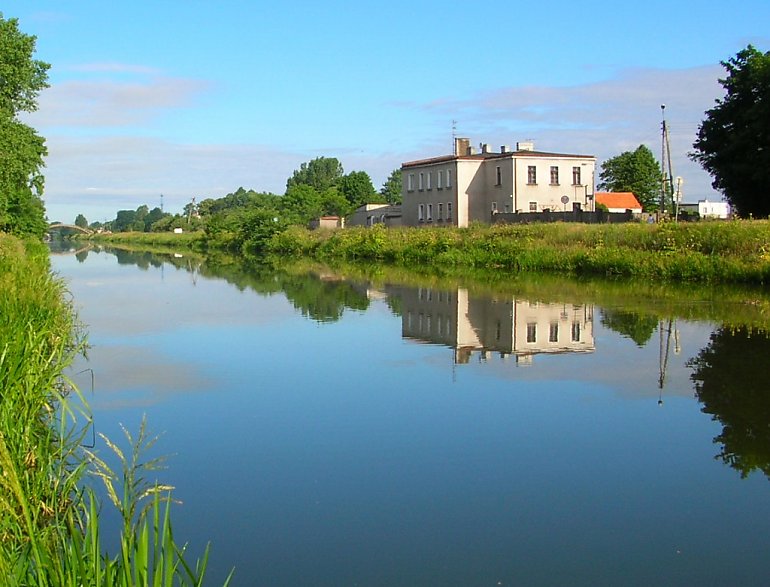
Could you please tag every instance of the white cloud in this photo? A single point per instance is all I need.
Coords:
(84, 104)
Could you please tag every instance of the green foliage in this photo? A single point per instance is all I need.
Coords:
(733, 142)
(356, 187)
(321, 173)
(634, 171)
(49, 516)
(21, 149)
(81, 221)
(637, 327)
(391, 189)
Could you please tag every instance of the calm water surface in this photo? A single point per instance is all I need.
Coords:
(325, 432)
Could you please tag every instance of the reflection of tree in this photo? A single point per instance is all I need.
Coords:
(637, 327)
(323, 300)
(731, 379)
(82, 255)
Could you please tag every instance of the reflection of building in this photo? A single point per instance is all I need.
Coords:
(506, 326)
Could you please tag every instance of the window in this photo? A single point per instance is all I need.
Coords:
(494, 207)
(441, 211)
(532, 332)
(533, 206)
(576, 176)
(440, 179)
(410, 182)
(553, 332)
(554, 175)
(449, 210)
(427, 180)
(498, 176)
(421, 213)
(449, 178)
(430, 212)
(576, 332)
(421, 184)
(531, 175)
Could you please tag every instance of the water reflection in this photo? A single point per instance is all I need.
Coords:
(729, 376)
(507, 326)
(731, 381)
(335, 445)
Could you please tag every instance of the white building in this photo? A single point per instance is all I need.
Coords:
(472, 186)
(708, 209)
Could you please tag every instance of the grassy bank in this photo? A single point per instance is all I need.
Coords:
(737, 252)
(728, 252)
(49, 523)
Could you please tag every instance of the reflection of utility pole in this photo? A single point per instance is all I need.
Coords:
(665, 349)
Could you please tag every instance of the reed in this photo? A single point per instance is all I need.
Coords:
(49, 513)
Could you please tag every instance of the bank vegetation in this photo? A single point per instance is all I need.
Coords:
(709, 251)
(50, 529)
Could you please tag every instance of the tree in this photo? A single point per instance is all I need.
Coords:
(81, 221)
(357, 189)
(21, 149)
(321, 173)
(391, 189)
(733, 142)
(634, 171)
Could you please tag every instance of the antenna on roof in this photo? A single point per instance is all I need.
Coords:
(454, 136)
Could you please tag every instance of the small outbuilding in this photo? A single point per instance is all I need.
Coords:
(619, 201)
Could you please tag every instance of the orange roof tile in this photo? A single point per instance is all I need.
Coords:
(624, 200)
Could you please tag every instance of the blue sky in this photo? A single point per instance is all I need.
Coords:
(195, 99)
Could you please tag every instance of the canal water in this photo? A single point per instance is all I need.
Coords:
(396, 430)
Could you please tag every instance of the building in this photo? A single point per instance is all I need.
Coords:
(708, 209)
(619, 201)
(472, 186)
(371, 214)
(326, 222)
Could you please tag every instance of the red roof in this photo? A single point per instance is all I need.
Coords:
(623, 200)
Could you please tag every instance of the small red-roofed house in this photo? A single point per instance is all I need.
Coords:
(619, 201)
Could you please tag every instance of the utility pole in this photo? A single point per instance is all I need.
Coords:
(667, 179)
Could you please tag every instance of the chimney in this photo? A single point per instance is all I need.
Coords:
(485, 148)
(461, 146)
(525, 146)
(503, 148)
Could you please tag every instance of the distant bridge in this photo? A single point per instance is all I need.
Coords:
(72, 226)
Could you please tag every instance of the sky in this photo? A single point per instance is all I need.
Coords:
(165, 101)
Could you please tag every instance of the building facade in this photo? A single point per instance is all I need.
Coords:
(472, 186)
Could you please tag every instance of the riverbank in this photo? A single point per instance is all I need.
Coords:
(49, 512)
(718, 252)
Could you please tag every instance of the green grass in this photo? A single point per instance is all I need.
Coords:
(735, 252)
(49, 512)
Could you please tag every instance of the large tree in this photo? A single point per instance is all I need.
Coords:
(733, 142)
(21, 149)
(358, 190)
(321, 173)
(634, 171)
(391, 189)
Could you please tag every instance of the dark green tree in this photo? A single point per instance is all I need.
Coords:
(733, 142)
(391, 189)
(321, 173)
(634, 171)
(21, 149)
(356, 187)
(81, 221)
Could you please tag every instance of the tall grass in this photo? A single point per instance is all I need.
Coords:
(49, 513)
(737, 252)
